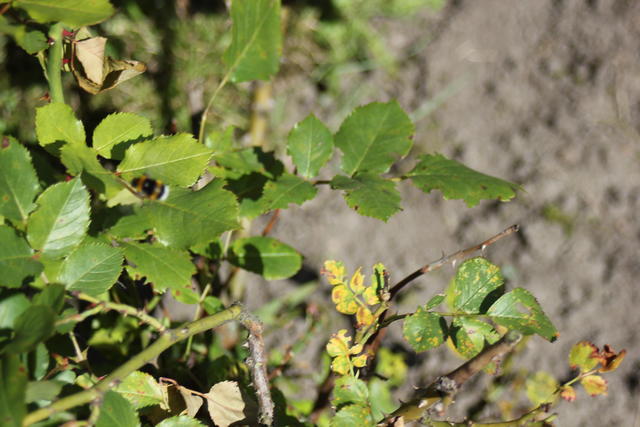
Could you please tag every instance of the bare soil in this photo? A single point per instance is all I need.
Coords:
(545, 93)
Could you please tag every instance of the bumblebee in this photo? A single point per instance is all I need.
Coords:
(150, 188)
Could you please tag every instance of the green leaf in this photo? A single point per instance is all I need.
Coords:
(584, 355)
(92, 268)
(18, 180)
(310, 145)
(16, 259)
(541, 388)
(244, 162)
(34, 325)
(519, 310)
(116, 411)
(32, 41)
(52, 296)
(347, 390)
(285, 190)
(10, 308)
(424, 330)
(469, 335)
(56, 123)
(80, 159)
(477, 284)
(189, 218)
(381, 400)
(61, 220)
(456, 181)
(164, 267)
(180, 421)
(256, 41)
(369, 195)
(353, 415)
(373, 137)
(13, 386)
(141, 389)
(177, 159)
(117, 132)
(74, 13)
(132, 226)
(265, 256)
(435, 301)
(43, 390)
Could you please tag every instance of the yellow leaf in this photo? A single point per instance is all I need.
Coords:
(370, 296)
(341, 365)
(344, 300)
(339, 344)
(334, 271)
(364, 317)
(594, 385)
(359, 361)
(568, 393)
(357, 281)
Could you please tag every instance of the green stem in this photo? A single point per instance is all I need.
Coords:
(205, 113)
(54, 64)
(126, 310)
(166, 340)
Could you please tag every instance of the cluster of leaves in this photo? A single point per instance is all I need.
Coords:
(73, 229)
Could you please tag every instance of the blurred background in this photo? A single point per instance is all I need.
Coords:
(544, 93)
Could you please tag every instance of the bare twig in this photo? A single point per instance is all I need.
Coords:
(450, 258)
(444, 388)
(271, 223)
(257, 363)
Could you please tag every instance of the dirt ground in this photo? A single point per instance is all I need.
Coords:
(545, 93)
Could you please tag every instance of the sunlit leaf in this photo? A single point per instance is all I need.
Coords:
(310, 145)
(80, 159)
(56, 123)
(334, 271)
(353, 415)
(584, 355)
(477, 284)
(116, 132)
(344, 299)
(74, 13)
(369, 195)
(456, 181)
(177, 159)
(180, 421)
(519, 310)
(469, 335)
(373, 137)
(18, 180)
(285, 190)
(92, 268)
(141, 389)
(10, 308)
(424, 330)
(60, 222)
(256, 41)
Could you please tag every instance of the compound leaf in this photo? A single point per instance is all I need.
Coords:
(310, 145)
(373, 137)
(176, 159)
(16, 259)
(456, 181)
(91, 268)
(60, 222)
(519, 310)
(369, 195)
(256, 40)
(18, 180)
(117, 131)
(56, 123)
(266, 256)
